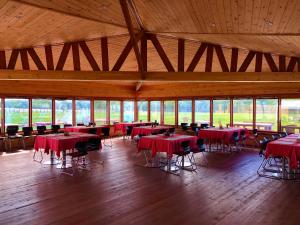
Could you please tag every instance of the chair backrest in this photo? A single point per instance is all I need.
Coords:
(235, 135)
(242, 132)
(94, 144)
(55, 128)
(161, 131)
(80, 124)
(67, 125)
(81, 146)
(172, 130)
(12, 130)
(129, 130)
(27, 131)
(41, 129)
(105, 131)
(185, 146)
(275, 137)
(263, 145)
(204, 125)
(255, 132)
(200, 143)
(92, 124)
(92, 130)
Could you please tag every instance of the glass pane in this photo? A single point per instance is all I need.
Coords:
(266, 114)
(184, 111)
(100, 112)
(290, 115)
(243, 113)
(115, 114)
(41, 113)
(63, 112)
(142, 110)
(155, 111)
(169, 112)
(17, 112)
(128, 115)
(221, 112)
(202, 111)
(83, 111)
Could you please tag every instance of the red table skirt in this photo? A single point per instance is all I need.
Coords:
(59, 142)
(161, 143)
(122, 126)
(83, 129)
(285, 147)
(147, 130)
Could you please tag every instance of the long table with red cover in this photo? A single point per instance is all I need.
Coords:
(83, 129)
(122, 126)
(59, 142)
(147, 130)
(285, 147)
(162, 143)
(224, 134)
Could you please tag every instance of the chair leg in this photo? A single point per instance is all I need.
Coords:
(40, 161)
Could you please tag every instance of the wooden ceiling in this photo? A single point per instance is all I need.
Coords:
(260, 25)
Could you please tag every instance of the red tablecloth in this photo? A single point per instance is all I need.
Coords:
(147, 130)
(122, 126)
(83, 129)
(285, 147)
(224, 134)
(162, 143)
(59, 142)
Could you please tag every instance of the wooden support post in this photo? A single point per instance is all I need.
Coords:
(279, 116)
(73, 112)
(258, 62)
(231, 112)
(63, 56)
(76, 57)
(53, 111)
(13, 59)
(211, 114)
(193, 110)
(149, 111)
(36, 59)
(247, 61)
(181, 49)
(196, 57)
(221, 58)
(24, 59)
(162, 112)
(30, 112)
(209, 58)
(49, 57)
(104, 52)
(176, 112)
(254, 113)
(282, 63)
(89, 56)
(2, 60)
(92, 113)
(108, 112)
(234, 59)
(122, 111)
(2, 116)
(271, 62)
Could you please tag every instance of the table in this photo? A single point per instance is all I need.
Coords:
(59, 143)
(147, 130)
(265, 126)
(122, 126)
(224, 135)
(84, 129)
(286, 147)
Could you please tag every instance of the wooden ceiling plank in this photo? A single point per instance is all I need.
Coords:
(63, 56)
(221, 57)
(2, 60)
(197, 57)
(180, 55)
(271, 62)
(36, 59)
(104, 54)
(89, 56)
(13, 59)
(24, 59)
(49, 57)
(247, 61)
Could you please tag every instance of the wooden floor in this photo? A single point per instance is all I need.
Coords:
(228, 191)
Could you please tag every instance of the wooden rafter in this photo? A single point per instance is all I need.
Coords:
(234, 59)
(181, 49)
(221, 58)
(24, 59)
(13, 59)
(89, 56)
(271, 62)
(63, 56)
(2, 60)
(76, 57)
(247, 61)
(197, 57)
(104, 54)
(49, 57)
(36, 59)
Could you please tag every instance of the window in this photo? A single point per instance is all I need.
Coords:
(83, 111)
(17, 112)
(155, 111)
(169, 112)
(128, 114)
(63, 112)
(41, 113)
(290, 115)
(185, 111)
(202, 111)
(100, 112)
(115, 114)
(243, 113)
(221, 112)
(143, 110)
(266, 114)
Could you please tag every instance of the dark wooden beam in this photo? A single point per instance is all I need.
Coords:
(180, 62)
(89, 56)
(258, 62)
(292, 64)
(131, 31)
(24, 59)
(161, 52)
(209, 58)
(125, 53)
(104, 54)
(221, 58)
(76, 57)
(247, 61)
(49, 57)
(2, 60)
(36, 59)
(282, 63)
(196, 57)
(63, 56)
(144, 52)
(234, 59)
(13, 59)
(271, 62)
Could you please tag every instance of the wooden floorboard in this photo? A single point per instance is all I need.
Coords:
(227, 192)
